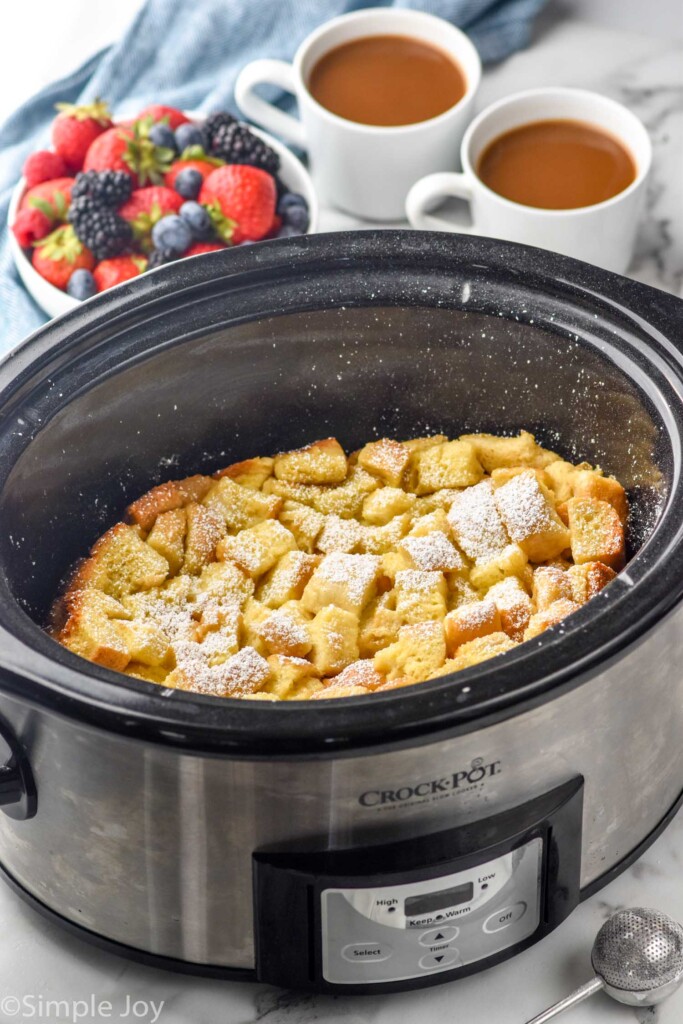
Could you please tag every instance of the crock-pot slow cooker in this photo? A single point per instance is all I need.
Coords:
(374, 842)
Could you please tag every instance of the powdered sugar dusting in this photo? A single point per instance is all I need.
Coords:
(476, 523)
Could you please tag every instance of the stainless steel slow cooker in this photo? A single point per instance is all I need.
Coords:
(368, 843)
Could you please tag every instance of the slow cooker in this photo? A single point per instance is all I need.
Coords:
(364, 844)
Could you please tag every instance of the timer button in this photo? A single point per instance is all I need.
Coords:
(438, 961)
(438, 936)
(505, 917)
(366, 952)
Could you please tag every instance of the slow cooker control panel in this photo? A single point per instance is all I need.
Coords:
(407, 913)
(405, 931)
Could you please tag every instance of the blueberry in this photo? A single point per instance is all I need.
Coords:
(189, 134)
(172, 234)
(289, 199)
(81, 285)
(296, 217)
(161, 135)
(188, 183)
(288, 231)
(197, 219)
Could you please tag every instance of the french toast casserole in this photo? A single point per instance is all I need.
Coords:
(314, 574)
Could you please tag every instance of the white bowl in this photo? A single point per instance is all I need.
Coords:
(55, 302)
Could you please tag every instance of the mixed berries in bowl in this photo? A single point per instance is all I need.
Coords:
(112, 200)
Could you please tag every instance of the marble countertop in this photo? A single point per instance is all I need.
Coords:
(38, 960)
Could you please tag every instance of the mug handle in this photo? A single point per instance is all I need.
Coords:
(269, 72)
(426, 192)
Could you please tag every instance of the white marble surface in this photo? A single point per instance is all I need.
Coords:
(38, 961)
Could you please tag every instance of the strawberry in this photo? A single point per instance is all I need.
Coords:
(52, 197)
(170, 115)
(56, 256)
(44, 166)
(76, 127)
(130, 149)
(145, 207)
(31, 225)
(241, 202)
(197, 248)
(197, 159)
(116, 270)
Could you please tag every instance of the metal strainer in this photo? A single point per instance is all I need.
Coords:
(637, 958)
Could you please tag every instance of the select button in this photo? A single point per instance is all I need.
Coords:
(505, 917)
(366, 952)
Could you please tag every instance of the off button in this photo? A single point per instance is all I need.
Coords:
(366, 952)
(505, 917)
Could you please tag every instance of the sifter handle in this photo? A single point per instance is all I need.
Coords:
(587, 990)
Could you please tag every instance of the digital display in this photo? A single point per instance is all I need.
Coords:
(416, 906)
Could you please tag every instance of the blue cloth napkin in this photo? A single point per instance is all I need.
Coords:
(188, 54)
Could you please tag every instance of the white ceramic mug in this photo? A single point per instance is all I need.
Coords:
(363, 169)
(602, 234)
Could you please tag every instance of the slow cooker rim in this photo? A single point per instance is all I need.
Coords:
(508, 255)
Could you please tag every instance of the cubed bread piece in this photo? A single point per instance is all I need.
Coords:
(347, 581)
(418, 444)
(485, 647)
(430, 522)
(204, 529)
(505, 473)
(496, 452)
(167, 537)
(470, 621)
(449, 666)
(292, 678)
(511, 561)
(257, 549)
(379, 625)
(527, 510)
(550, 616)
(224, 582)
(251, 473)
(254, 614)
(165, 497)
(339, 534)
(434, 552)
(588, 579)
(334, 691)
(550, 584)
(382, 505)
(441, 499)
(596, 531)
(244, 673)
(149, 673)
(240, 507)
(460, 591)
(334, 635)
(386, 459)
(419, 651)
(285, 631)
(286, 580)
(93, 628)
(147, 644)
(591, 484)
(120, 563)
(452, 464)
(561, 476)
(377, 540)
(476, 523)
(513, 604)
(322, 462)
(420, 595)
(218, 630)
(360, 673)
(346, 500)
(303, 522)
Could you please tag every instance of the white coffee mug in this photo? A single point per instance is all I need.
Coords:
(602, 234)
(363, 169)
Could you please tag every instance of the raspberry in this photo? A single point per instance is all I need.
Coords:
(43, 166)
(107, 188)
(30, 226)
(99, 228)
(237, 145)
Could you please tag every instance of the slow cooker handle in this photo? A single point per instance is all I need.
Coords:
(18, 796)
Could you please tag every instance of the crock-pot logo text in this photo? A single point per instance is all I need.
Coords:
(465, 780)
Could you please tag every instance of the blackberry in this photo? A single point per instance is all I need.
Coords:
(221, 119)
(236, 145)
(109, 188)
(100, 228)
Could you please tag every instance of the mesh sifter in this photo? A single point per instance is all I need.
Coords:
(637, 958)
